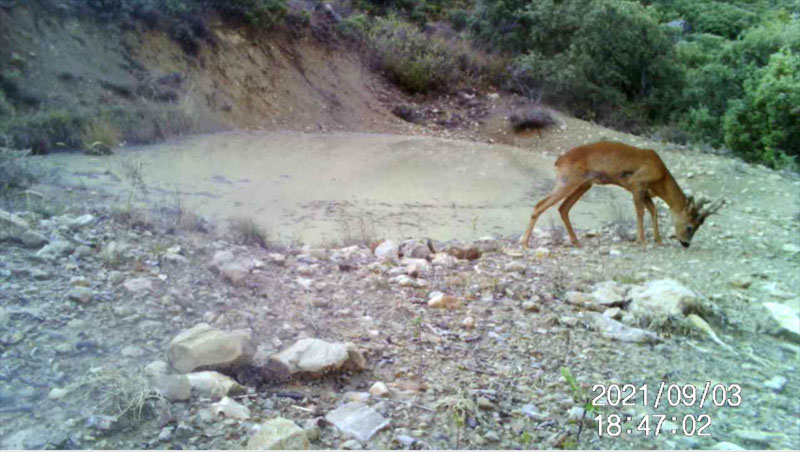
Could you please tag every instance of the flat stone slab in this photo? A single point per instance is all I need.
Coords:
(357, 420)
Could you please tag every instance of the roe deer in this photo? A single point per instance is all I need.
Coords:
(640, 171)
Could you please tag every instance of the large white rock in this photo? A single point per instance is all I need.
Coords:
(609, 293)
(214, 384)
(277, 434)
(785, 316)
(313, 355)
(234, 272)
(11, 225)
(662, 298)
(357, 420)
(612, 329)
(414, 249)
(207, 347)
(386, 250)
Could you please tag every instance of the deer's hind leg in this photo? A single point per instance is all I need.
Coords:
(565, 207)
(561, 191)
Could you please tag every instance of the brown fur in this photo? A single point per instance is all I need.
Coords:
(640, 171)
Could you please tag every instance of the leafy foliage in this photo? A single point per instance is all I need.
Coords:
(765, 124)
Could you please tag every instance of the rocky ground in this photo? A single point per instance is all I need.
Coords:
(427, 344)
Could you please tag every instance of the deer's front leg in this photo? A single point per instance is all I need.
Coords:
(648, 202)
(638, 201)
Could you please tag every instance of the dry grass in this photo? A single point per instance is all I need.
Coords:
(118, 393)
(99, 137)
(246, 231)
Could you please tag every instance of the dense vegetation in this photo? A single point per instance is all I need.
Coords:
(724, 74)
(719, 74)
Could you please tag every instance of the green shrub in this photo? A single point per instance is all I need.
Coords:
(628, 75)
(15, 173)
(6, 108)
(355, 26)
(414, 61)
(262, 13)
(765, 125)
(702, 126)
(458, 18)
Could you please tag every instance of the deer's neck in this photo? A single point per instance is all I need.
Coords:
(671, 193)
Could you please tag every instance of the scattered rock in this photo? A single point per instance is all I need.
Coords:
(440, 300)
(33, 239)
(351, 444)
(81, 221)
(229, 408)
(276, 258)
(207, 347)
(776, 383)
(81, 294)
(609, 293)
(741, 281)
(791, 248)
(657, 300)
(379, 389)
(468, 322)
(213, 384)
(132, 351)
(725, 445)
(387, 250)
(541, 253)
(234, 272)
(407, 281)
(469, 254)
(419, 249)
(176, 258)
(516, 267)
(157, 367)
(484, 403)
(277, 434)
(172, 387)
(11, 224)
(786, 318)
(313, 356)
(137, 285)
(531, 306)
(55, 249)
(219, 259)
(612, 329)
(769, 439)
(357, 420)
(57, 393)
(443, 260)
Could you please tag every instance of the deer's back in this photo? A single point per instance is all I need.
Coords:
(609, 161)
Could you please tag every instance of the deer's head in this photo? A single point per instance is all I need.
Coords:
(692, 217)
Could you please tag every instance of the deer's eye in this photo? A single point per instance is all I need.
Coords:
(689, 229)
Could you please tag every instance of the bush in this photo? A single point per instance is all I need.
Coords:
(15, 173)
(531, 118)
(458, 18)
(355, 26)
(411, 59)
(627, 76)
(262, 13)
(99, 136)
(246, 231)
(764, 125)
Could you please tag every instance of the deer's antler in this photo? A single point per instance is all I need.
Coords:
(711, 209)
